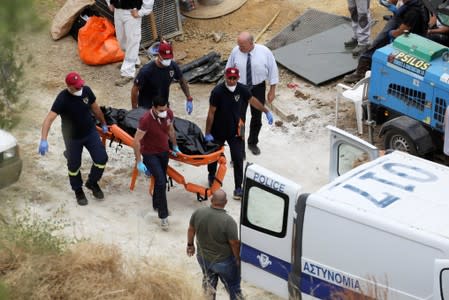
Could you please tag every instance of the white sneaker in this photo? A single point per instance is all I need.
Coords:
(164, 224)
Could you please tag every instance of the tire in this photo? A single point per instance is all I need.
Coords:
(398, 140)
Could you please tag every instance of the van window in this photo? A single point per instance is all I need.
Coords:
(350, 157)
(444, 281)
(265, 209)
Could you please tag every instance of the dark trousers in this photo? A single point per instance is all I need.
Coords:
(73, 152)
(236, 147)
(382, 39)
(157, 165)
(227, 271)
(255, 125)
(441, 38)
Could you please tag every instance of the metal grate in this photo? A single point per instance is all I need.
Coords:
(440, 109)
(310, 23)
(167, 17)
(410, 96)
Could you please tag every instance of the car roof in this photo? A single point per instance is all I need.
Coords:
(398, 187)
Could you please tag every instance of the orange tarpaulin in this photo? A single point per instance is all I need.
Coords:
(97, 43)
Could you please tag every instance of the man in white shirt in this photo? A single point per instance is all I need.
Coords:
(128, 29)
(257, 58)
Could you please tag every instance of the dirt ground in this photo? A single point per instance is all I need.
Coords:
(297, 150)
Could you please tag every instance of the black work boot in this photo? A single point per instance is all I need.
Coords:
(254, 149)
(351, 44)
(80, 197)
(96, 191)
(363, 66)
(359, 50)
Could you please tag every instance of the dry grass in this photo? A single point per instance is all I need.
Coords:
(90, 271)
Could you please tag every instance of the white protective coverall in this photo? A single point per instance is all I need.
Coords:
(128, 30)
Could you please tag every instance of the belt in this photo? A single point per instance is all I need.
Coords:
(250, 87)
(259, 84)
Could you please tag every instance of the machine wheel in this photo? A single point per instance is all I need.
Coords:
(398, 140)
(445, 56)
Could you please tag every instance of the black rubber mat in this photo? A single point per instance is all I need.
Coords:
(320, 57)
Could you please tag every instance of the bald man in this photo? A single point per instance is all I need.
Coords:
(218, 246)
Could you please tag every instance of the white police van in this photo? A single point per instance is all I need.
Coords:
(10, 162)
(379, 230)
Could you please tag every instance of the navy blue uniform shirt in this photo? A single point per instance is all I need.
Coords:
(231, 106)
(76, 118)
(154, 81)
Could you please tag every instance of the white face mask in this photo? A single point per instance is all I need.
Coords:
(162, 114)
(166, 62)
(231, 88)
(78, 93)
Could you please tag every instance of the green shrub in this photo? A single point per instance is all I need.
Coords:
(32, 235)
(16, 17)
(3, 292)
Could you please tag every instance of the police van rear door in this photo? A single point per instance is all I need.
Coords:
(347, 152)
(266, 229)
(441, 279)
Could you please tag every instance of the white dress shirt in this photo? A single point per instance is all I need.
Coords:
(263, 65)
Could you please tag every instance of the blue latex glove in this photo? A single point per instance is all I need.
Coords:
(104, 128)
(142, 168)
(189, 106)
(269, 117)
(208, 138)
(392, 8)
(175, 151)
(43, 147)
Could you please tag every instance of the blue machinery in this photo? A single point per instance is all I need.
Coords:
(409, 93)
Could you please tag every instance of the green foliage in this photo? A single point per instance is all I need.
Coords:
(33, 235)
(11, 73)
(16, 17)
(25, 244)
(4, 295)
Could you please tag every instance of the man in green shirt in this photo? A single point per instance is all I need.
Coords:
(218, 246)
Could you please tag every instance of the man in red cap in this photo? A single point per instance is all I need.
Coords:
(154, 80)
(227, 105)
(75, 104)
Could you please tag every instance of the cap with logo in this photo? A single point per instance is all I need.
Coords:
(165, 50)
(74, 79)
(232, 72)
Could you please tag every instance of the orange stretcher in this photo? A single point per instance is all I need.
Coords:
(117, 134)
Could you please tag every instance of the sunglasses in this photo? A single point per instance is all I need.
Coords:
(232, 78)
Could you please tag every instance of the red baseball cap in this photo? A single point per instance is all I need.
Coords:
(232, 72)
(74, 79)
(165, 50)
